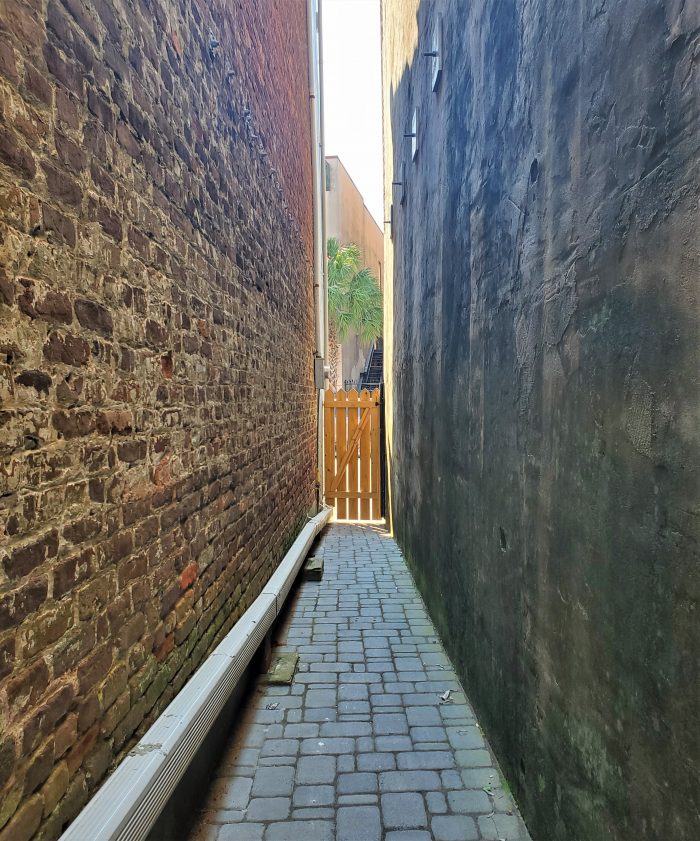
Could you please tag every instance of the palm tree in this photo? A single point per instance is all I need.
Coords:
(354, 297)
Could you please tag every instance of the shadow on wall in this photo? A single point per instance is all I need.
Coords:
(545, 443)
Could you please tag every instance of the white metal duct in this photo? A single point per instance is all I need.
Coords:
(128, 804)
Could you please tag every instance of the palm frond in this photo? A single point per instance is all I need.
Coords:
(354, 297)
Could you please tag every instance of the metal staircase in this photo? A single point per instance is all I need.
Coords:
(373, 375)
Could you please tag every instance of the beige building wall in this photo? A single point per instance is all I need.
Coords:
(403, 24)
(348, 220)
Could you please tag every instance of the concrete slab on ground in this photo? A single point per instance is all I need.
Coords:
(282, 668)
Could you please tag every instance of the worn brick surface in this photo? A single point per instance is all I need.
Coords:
(157, 420)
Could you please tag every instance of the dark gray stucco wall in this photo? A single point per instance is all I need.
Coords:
(545, 443)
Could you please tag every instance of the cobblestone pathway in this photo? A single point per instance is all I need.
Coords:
(374, 739)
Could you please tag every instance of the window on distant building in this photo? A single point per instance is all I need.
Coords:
(328, 178)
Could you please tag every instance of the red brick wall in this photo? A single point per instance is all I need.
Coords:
(276, 66)
(157, 428)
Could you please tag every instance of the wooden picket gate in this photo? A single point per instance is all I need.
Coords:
(352, 453)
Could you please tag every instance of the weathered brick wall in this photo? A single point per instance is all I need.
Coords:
(157, 426)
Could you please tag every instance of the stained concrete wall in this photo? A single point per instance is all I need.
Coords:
(542, 343)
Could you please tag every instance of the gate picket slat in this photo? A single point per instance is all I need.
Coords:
(365, 455)
(352, 453)
(375, 455)
(329, 441)
(352, 464)
(341, 444)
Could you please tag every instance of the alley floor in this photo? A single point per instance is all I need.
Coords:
(374, 739)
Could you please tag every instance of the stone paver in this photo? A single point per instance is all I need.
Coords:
(403, 811)
(363, 745)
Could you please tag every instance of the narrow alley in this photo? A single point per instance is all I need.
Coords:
(374, 738)
(410, 286)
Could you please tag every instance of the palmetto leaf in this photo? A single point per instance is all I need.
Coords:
(332, 247)
(354, 297)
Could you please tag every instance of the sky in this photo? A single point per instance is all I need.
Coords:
(352, 78)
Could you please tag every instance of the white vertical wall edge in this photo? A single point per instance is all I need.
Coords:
(318, 193)
(128, 804)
